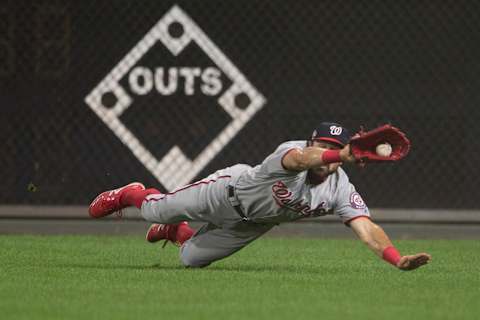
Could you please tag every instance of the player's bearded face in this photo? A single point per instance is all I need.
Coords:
(325, 171)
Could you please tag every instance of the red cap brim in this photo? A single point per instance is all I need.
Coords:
(332, 140)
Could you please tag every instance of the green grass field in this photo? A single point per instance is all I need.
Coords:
(85, 277)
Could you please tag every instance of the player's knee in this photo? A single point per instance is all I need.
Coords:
(191, 260)
(194, 265)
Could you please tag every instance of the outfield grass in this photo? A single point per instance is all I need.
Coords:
(85, 277)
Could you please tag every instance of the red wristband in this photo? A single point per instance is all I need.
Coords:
(391, 255)
(330, 156)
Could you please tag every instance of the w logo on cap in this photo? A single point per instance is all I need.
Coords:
(335, 131)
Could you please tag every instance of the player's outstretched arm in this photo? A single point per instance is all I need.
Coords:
(378, 241)
(312, 157)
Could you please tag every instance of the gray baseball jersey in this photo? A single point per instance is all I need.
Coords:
(267, 193)
(270, 193)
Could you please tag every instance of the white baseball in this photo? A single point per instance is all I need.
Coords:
(384, 149)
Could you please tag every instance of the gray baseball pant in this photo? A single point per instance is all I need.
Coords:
(206, 201)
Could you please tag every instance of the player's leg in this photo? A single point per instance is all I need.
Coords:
(134, 194)
(204, 201)
(180, 205)
(198, 201)
(210, 243)
(171, 208)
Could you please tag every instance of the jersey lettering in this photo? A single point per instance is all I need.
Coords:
(283, 197)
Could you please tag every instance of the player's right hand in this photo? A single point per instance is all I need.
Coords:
(413, 262)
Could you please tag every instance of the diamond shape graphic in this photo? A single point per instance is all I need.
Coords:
(175, 168)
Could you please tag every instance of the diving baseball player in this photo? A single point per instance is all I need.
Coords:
(238, 204)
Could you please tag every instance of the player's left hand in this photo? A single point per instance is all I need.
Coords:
(347, 156)
(415, 261)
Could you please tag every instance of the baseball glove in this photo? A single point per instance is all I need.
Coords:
(363, 144)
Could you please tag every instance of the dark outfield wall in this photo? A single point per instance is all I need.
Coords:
(281, 67)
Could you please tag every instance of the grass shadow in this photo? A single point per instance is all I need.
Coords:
(245, 268)
(265, 268)
(120, 266)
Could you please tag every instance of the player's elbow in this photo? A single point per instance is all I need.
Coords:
(295, 160)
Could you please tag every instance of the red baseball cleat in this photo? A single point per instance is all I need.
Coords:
(108, 202)
(176, 233)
